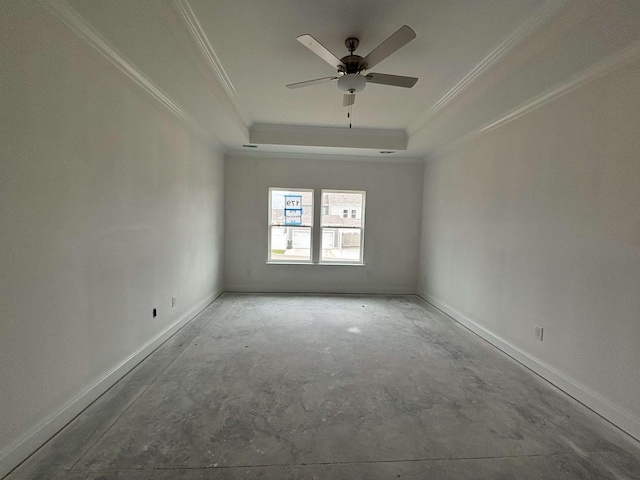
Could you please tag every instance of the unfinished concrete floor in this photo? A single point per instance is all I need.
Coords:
(332, 387)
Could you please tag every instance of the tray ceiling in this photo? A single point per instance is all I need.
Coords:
(225, 63)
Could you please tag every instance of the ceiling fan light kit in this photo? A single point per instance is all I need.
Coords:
(351, 78)
(352, 83)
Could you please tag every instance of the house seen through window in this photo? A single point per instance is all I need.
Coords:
(291, 226)
(343, 236)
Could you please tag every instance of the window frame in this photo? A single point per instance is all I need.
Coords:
(360, 229)
(271, 225)
(316, 228)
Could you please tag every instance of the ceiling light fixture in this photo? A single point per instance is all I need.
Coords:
(352, 83)
(351, 68)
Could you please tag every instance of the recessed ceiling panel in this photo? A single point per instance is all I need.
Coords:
(256, 44)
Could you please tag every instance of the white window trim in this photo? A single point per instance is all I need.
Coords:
(360, 261)
(271, 225)
(316, 221)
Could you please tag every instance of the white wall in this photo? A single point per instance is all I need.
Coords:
(108, 207)
(392, 224)
(538, 223)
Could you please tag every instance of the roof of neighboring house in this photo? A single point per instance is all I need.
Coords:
(338, 221)
(342, 198)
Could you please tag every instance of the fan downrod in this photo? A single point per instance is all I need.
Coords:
(352, 63)
(351, 43)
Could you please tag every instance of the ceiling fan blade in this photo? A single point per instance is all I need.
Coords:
(311, 82)
(395, 80)
(392, 44)
(320, 50)
(348, 99)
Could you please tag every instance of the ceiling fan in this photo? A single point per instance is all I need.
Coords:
(351, 68)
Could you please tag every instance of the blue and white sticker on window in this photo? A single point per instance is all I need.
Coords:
(293, 209)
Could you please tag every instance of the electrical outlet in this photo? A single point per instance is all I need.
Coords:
(173, 302)
(539, 333)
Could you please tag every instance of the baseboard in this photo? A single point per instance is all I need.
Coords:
(18, 451)
(236, 288)
(592, 400)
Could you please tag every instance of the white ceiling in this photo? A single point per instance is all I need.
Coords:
(225, 63)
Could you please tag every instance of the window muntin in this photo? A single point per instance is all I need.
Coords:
(290, 225)
(343, 226)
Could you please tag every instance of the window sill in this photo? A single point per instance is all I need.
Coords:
(329, 264)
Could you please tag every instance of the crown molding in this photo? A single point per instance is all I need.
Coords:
(92, 38)
(535, 21)
(210, 57)
(613, 62)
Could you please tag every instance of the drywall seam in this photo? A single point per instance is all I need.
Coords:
(623, 57)
(17, 452)
(208, 53)
(83, 30)
(582, 394)
(539, 18)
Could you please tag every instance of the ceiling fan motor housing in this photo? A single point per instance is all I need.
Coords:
(353, 64)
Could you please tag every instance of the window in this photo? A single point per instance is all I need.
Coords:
(290, 225)
(343, 236)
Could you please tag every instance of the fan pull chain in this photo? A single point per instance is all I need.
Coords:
(349, 115)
